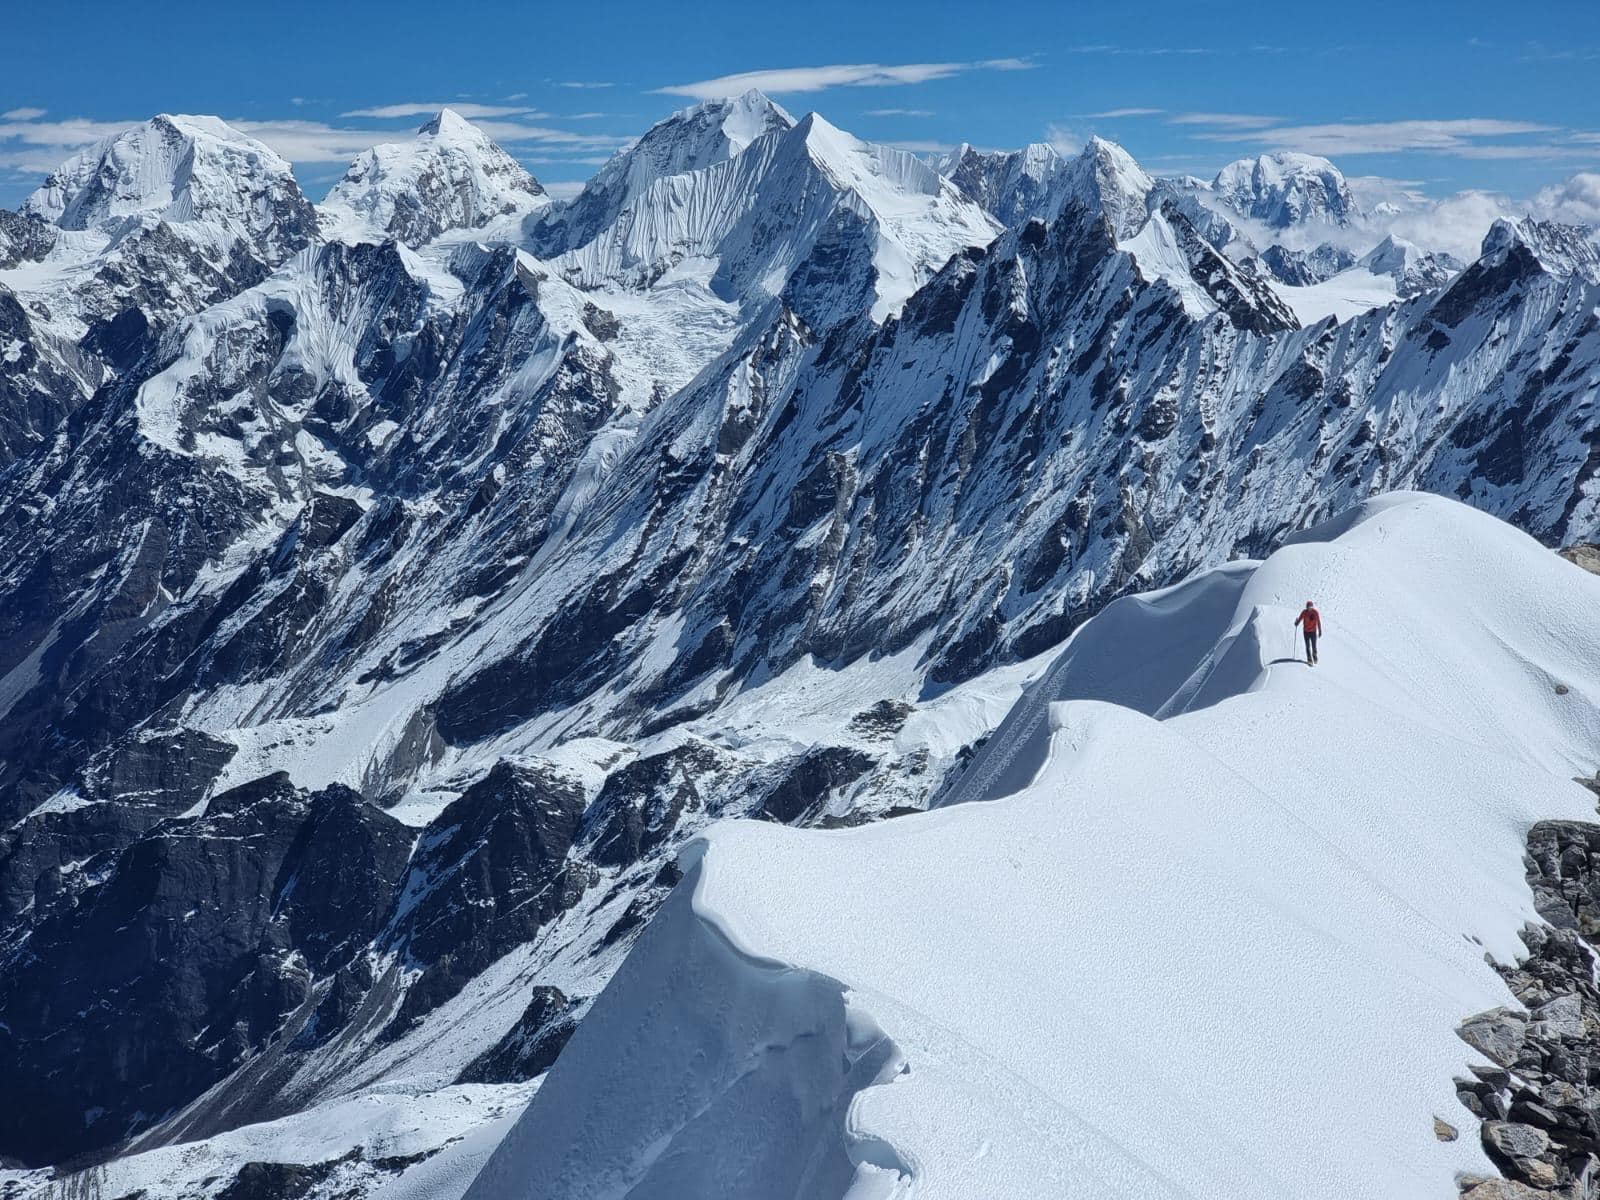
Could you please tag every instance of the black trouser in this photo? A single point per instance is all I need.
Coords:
(1311, 646)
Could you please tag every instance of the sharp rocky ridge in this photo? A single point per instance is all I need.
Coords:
(392, 585)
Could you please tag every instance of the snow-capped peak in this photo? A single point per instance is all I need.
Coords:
(1105, 177)
(718, 222)
(179, 169)
(450, 124)
(692, 139)
(1286, 188)
(451, 175)
(1011, 185)
(1559, 249)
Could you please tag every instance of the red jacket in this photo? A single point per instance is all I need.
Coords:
(1312, 619)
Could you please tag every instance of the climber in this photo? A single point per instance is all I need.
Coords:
(1312, 620)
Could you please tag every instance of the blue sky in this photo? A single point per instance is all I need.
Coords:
(1442, 96)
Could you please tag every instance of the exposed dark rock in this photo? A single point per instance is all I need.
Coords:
(1540, 1107)
(531, 1046)
(489, 872)
(276, 1181)
(883, 719)
(641, 805)
(821, 771)
(184, 954)
(1497, 1034)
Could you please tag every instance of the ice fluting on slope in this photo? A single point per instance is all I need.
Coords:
(751, 219)
(1219, 955)
(180, 169)
(690, 140)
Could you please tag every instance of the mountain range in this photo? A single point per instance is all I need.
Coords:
(392, 586)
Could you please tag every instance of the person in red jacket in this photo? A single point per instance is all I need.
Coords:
(1311, 619)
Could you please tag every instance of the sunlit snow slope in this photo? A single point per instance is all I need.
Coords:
(1217, 954)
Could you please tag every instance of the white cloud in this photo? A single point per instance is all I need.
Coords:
(314, 141)
(1455, 224)
(816, 79)
(900, 112)
(1065, 142)
(1387, 137)
(1224, 120)
(582, 84)
(419, 108)
(563, 189)
(39, 147)
(1152, 51)
(1128, 112)
(22, 114)
(1575, 200)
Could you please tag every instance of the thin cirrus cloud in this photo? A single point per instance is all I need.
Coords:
(34, 146)
(1464, 137)
(313, 141)
(900, 112)
(1128, 112)
(815, 79)
(22, 114)
(1219, 120)
(423, 108)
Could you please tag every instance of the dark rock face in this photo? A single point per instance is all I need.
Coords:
(1301, 267)
(1540, 1104)
(641, 805)
(23, 238)
(805, 786)
(531, 1047)
(489, 873)
(275, 1181)
(182, 954)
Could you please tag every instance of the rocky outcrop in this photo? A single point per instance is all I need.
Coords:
(1585, 555)
(489, 873)
(1540, 1102)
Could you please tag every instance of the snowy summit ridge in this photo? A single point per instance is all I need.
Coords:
(450, 176)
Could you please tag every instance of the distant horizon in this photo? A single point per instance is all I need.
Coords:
(561, 89)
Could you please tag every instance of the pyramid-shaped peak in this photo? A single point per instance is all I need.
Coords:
(450, 176)
(447, 122)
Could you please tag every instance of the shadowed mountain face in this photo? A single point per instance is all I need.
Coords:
(386, 590)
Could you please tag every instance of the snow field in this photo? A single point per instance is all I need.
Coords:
(1222, 954)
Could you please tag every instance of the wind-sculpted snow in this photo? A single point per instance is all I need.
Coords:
(688, 142)
(1222, 954)
(752, 482)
